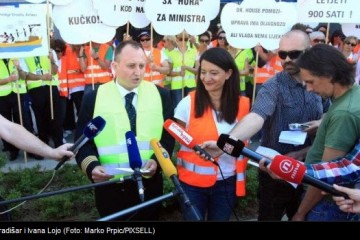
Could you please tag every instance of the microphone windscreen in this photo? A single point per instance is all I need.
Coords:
(288, 168)
(163, 158)
(230, 145)
(94, 127)
(133, 150)
(179, 133)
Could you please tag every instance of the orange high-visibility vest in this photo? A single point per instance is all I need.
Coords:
(264, 73)
(63, 85)
(196, 171)
(154, 76)
(95, 71)
(75, 77)
(276, 64)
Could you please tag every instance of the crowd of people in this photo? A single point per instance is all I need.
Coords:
(209, 88)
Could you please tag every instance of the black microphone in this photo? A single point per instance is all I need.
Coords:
(170, 171)
(290, 170)
(135, 161)
(92, 129)
(235, 147)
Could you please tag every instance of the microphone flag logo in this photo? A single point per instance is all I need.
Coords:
(228, 148)
(286, 166)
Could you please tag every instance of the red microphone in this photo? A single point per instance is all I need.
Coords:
(287, 168)
(180, 134)
(294, 171)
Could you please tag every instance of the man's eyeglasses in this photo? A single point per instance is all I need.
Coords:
(319, 41)
(350, 43)
(144, 39)
(183, 39)
(204, 41)
(221, 38)
(292, 54)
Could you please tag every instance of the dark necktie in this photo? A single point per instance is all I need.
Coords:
(130, 109)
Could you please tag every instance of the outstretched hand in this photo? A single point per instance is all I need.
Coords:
(62, 151)
(351, 205)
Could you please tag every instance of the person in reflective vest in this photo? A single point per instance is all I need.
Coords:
(158, 64)
(108, 151)
(8, 100)
(41, 74)
(95, 63)
(214, 108)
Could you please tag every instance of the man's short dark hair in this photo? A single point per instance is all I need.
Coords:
(123, 44)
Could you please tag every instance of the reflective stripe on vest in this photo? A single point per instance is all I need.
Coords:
(175, 57)
(122, 148)
(73, 70)
(276, 63)
(95, 72)
(192, 169)
(195, 168)
(153, 76)
(241, 165)
(189, 78)
(149, 118)
(63, 83)
(264, 73)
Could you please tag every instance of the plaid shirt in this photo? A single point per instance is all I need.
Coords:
(342, 171)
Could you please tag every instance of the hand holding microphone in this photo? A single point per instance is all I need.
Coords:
(294, 171)
(92, 129)
(234, 147)
(179, 133)
(286, 168)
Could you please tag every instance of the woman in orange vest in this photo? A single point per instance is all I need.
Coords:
(213, 108)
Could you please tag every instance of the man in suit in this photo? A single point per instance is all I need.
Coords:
(108, 150)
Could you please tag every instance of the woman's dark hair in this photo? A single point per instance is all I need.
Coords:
(226, 42)
(323, 60)
(231, 90)
(206, 34)
(59, 46)
(337, 33)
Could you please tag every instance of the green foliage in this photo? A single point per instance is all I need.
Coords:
(3, 159)
(75, 206)
(248, 205)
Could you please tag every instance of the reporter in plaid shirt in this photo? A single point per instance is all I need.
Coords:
(343, 171)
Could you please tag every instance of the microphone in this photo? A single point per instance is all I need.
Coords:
(92, 129)
(180, 134)
(135, 161)
(235, 147)
(294, 171)
(170, 171)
